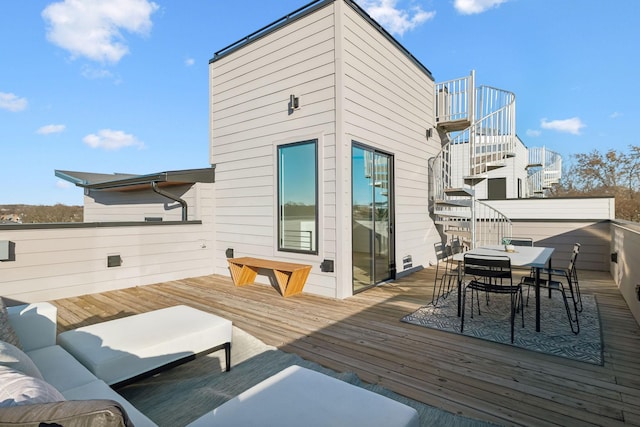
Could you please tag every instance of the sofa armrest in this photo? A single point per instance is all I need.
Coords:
(35, 324)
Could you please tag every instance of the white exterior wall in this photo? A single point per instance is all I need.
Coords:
(250, 91)
(66, 261)
(388, 104)
(625, 242)
(597, 209)
(514, 168)
(107, 206)
(561, 222)
(353, 84)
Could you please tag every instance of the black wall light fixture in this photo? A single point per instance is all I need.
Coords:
(294, 103)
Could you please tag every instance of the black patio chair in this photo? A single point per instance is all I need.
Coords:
(441, 256)
(571, 276)
(491, 274)
(517, 241)
(442, 284)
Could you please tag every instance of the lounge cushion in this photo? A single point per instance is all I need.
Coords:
(7, 333)
(124, 348)
(71, 413)
(298, 396)
(18, 389)
(12, 357)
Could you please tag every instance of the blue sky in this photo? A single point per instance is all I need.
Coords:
(122, 85)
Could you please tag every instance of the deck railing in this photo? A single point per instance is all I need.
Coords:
(491, 225)
(455, 99)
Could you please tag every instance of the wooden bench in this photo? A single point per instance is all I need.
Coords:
(290, 277)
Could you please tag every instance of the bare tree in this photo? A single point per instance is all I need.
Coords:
(613, 173)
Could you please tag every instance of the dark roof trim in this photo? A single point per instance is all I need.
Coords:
(304, 11)
(63, 225)
(268, 29)
(95, 181)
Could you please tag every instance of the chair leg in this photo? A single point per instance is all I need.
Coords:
(435, 295)
(513, 315)
(577, 291)
(464, 297)
(576, 329)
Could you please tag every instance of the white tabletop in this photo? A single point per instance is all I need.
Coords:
(524, 256)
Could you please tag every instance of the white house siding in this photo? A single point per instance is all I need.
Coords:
(625, 242)
(561, 222)
(249, 91)
(388, 104)
(107, 206)
(514, 168)
(601, 208)
(66, 261)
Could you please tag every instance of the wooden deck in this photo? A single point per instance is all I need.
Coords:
(472, 377)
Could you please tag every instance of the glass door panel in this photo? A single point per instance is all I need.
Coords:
(372, 217)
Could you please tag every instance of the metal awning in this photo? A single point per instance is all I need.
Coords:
(127, 182)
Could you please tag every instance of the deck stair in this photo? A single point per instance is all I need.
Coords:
(544, 170)
(477, 127)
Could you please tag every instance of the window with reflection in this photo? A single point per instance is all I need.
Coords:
(298, 197)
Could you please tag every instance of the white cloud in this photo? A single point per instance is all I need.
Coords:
(572, 125)
(189, 62)
(396, 20)
(470, 7)
(92, 28)
(11, 102)
(95, 73)
(48, 129)
(534, 132)
(615, 115)
(63, 184)
(109, 139)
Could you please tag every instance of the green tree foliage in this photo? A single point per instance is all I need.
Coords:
(613, 173)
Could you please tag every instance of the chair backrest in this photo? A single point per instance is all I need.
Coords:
(574, 257)
(517, 241)
(441, 251)
(491, 267)
(456, 246)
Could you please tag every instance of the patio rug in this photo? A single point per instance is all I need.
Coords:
(180, 395)
(555, 336)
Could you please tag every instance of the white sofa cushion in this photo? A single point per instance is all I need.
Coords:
(14, 358)
(60, 369)
(17, 388)
(298, 396)
(124, 348)
(35, 324)
(7, 332)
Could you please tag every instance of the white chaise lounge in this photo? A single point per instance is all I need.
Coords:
(121, 350)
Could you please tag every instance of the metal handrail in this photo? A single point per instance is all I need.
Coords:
(488, 139)
(545, 169)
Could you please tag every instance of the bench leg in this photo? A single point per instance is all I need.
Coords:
(242, 274)
(227, 355)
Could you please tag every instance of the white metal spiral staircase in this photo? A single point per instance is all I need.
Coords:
(477, 128)
(544, 170)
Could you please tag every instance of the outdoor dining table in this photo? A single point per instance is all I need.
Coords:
(536, 257)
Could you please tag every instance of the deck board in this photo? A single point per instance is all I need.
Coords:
(472, 377)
